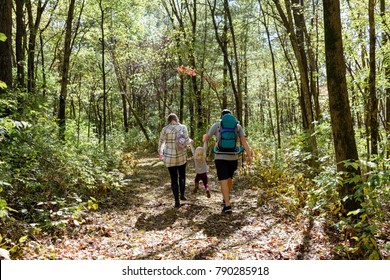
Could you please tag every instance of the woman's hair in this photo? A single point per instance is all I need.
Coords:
(200, 155)
(172, 117)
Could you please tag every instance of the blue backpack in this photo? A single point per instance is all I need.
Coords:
(227, 139)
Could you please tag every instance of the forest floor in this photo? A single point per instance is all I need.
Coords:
(140, 222)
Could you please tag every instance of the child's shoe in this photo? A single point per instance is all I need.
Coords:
(196, 188)
(208, 193)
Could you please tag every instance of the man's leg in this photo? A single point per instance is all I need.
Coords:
(225, 191)
(230, 184)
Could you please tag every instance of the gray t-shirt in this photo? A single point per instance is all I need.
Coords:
(200, 167)
(214, 130)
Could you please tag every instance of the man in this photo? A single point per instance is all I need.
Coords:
(226, 163)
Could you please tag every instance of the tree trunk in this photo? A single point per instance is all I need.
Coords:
(175, 10)
(236, 89)
(103, 66)
(274, 77)
(20, 55)
(6, 46)
(122, 82)
(192, 14)
(341, 119)
(373, 101)
(202, 66)
(65, 72)
(297, 42)
(225, 63)
(234, 80)
(33, 28)
(244, 75)
(385, 36)
(313, 76)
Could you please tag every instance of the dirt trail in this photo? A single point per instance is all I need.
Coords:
(140, 222)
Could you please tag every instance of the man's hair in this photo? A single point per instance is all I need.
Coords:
(225, 112)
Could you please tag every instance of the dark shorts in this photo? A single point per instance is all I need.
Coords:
(225, 168)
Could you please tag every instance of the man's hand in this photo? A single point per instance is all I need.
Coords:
(249, 159)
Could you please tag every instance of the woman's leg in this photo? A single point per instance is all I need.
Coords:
(182, 180)
(174, 184)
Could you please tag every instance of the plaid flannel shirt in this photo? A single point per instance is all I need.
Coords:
(167, 145)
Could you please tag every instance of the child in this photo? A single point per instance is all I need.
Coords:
(201, 167)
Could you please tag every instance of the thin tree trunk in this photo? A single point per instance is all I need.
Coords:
(223, 46)
(65, 72)
(33, 27)
(6, 46)
(104, 74)
(274, 77)
(225, 63)
(175, 11)
(42, 53)
(271, 122)
(385, 36)
(203, 55)
(192, 14)
(297, 42)
(19, 51)
(236, 89)
(244, 75)
(373, 101)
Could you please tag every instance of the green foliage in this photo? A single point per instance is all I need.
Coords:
(359, 229)
(16, 248)
(283, 176)
(278, 180)
(135, 141)
(45, 182)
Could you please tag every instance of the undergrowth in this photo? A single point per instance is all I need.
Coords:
(47, 186)
(284, 176)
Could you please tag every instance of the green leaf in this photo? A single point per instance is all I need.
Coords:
(3, 204)
(3, 38)
(2, 84)
(23, 239)
(355, 212)
(92, 204)
(374, 256)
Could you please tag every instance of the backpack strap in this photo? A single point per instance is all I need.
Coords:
(238, 150)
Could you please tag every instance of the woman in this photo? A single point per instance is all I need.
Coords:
(172, 150)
